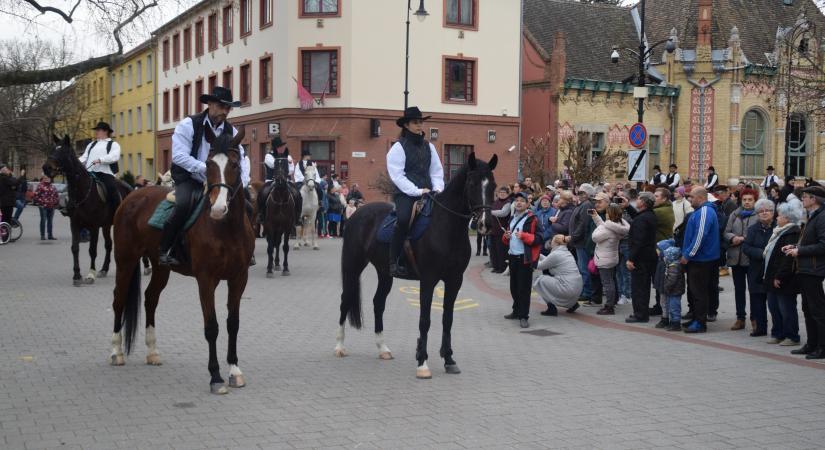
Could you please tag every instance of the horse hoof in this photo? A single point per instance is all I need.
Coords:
(423, 373)
(102, 274)
(270, 275)
(316, 248)
(306, 244)
(89, 280)
(117, 360)
(452, 369)
(218, 388)
(386, 356)
(236, 381)
(77, 283)
(147, 271)
(153, 359)
(277, 267)
(285, 273)
(340, 352)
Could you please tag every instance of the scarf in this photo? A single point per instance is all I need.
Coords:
(745, 213)
(777, 233)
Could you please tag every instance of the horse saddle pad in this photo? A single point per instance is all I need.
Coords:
(165, 208)
(421, 221)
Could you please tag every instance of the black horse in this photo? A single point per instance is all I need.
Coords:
(87, 209)
(442, 254)
(279, 221)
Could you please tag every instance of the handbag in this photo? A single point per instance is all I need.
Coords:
(591, 266)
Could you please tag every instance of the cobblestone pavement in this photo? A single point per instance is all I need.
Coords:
(582, 381)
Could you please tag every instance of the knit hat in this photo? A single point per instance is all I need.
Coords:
(588, 188)
(680, 190)
(546, 197)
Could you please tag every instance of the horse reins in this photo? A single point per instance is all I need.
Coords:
(473, 209)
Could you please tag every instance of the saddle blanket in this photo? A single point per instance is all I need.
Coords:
(419, 226)
(164, 209)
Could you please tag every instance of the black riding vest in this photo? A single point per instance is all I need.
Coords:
(669, 178)
(180, 174)
(417, 160)
(270, 172)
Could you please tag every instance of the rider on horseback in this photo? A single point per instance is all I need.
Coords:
(279, 151)
(100, 155)
(190, 150)
(415, 169)
(306, 160)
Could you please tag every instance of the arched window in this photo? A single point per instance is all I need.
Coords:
(797, 145)
(752, 155)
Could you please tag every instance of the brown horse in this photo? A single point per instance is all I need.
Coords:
(87, 209)
(219, 246)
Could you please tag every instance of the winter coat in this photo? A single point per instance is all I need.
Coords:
(753, 247)
(562, 225)
(643, 237)
(674, 280)
(781, 266)
(729, 206)
(564, 284)
(664, 220)
(681, 208)
(8, 191)
(46, 195)
(811, 257)
(579, 223)
(499, 222)
(22, 188)
(738, 226)
(607, 236)
(543, 217)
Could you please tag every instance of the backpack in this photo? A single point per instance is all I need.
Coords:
(115, 166)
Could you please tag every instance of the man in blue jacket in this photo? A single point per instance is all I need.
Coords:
(700, 252)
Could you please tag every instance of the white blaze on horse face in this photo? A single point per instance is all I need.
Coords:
(482, 221)
(219, 208)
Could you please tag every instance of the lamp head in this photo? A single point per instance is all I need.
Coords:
(422, 13)
(614, 56)
(670, 46)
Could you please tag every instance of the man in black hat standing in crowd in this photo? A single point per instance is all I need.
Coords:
(100, 157)
(712, 180)
(658, 176)
(189, 153)
(672, 179)
(279, 151)
(415, 169)
(770, 179)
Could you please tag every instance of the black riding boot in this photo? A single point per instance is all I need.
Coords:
(397, 268)
(167, 241)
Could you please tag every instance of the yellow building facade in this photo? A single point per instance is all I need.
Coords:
(88, 103)
(132, 93)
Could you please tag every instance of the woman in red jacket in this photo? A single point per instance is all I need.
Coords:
(524, 244)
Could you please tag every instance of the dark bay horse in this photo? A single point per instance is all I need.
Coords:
(219, 246)
(442, 254)
(88, 210)
(279, 222)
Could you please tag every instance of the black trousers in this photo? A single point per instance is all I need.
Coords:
(700, 279)
(264, 194)
(641, 279)
(813, 307)
(403, 210)
(521, 286)
(112, 192)
(183, 207)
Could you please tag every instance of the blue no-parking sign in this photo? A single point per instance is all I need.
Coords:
(637, 135)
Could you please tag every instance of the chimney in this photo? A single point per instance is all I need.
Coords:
(703, 31)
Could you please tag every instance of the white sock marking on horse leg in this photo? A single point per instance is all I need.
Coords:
(234, 370)
(379, 342)
(151, 341)
(219, 208)
(424, 366)
(117, 344)
(339, 338)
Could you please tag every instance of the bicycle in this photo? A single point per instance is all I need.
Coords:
(16, 229)
(5, 231)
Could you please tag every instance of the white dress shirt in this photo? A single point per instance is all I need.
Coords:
(182, 149)
(713, 180)
(269, 161)
(97, 150)
(676, 179)
(299, 176)
(769, 179)
(396, 158)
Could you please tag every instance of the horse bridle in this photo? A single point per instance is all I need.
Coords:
(233, 190)
(76, 177)
(474, 210)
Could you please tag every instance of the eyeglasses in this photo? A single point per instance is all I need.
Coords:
(765, 211)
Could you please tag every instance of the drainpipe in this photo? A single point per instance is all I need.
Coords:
(702, 87)
(672, 132)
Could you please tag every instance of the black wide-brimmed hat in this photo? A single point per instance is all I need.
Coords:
(411, 113)
(770, 168)
(222, 95)
(277, 142)
(103, 126)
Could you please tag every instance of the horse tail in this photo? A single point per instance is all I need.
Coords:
(131, 312)
(351, 280)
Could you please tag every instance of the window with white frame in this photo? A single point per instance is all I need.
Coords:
(129, 122)
(150, 119)
(797, 145)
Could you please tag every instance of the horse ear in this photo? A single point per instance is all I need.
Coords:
(471, 160)
(493, 162)
(238, 138)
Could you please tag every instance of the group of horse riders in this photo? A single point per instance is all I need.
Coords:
(413, 165)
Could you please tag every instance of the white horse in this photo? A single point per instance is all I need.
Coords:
(309, 210)
(166, 179)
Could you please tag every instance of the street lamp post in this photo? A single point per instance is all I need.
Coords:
(421, 14)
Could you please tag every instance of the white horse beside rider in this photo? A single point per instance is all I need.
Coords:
(309, 210)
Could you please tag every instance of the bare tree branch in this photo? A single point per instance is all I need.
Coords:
(50, 9)
(130, 19)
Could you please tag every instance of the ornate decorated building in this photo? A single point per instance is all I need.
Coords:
(722, 98)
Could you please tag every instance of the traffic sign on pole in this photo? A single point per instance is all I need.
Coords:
(637, 135)
(637, 165)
